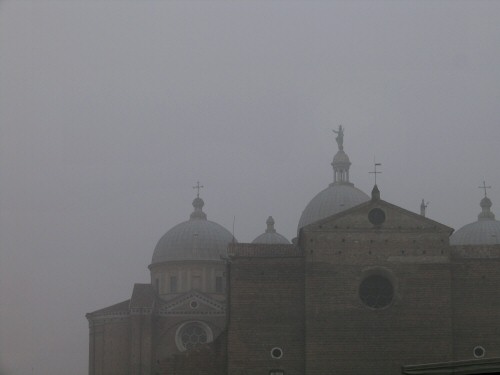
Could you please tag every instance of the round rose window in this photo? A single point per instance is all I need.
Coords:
(376, 291)
(192, 334)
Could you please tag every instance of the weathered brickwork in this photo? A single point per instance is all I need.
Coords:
(109, 348)
(109, 341)
(476, 300)
(204, 360)
(267, 310)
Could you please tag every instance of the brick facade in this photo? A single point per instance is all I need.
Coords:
(315, 307)
(267, 309)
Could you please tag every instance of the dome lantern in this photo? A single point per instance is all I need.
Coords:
(339, 195)
(341, 162)
(270, 225)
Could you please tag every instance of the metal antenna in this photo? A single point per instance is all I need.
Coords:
(484, 187)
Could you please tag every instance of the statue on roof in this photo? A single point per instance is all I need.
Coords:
(340, 137)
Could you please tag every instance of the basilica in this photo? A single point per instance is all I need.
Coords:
(366, 287)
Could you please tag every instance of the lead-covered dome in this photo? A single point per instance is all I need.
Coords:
(339, 195)
(484, 231)
(334, 199)
(270, 236)
(195, 239)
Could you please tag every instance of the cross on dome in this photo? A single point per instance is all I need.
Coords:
(198, 187)
(484, 187)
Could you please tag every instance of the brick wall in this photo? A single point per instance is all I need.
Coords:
(267, 309)
(476, 300)
(109, 347)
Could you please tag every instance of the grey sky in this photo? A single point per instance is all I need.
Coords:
(110, 111)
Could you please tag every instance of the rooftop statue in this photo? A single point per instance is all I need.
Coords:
(340, 137)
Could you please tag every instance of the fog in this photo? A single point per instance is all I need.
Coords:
(110, 111)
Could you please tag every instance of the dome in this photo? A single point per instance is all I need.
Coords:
(340, 195)
(195, 239)
(334, 199)
(270, 236)
(484, 231)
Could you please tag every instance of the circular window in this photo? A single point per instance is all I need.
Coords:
(376, 291)
(276, 353)
(193, 304)
(479, 352)
(190, 335)
(376, 216)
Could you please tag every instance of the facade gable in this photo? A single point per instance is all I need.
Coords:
(191, 304)
(377, 233)
(378, 215)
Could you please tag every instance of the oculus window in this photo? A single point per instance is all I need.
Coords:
(479, 352)
(376, 216)
(192, 334)
(376, 291)
(276, 353)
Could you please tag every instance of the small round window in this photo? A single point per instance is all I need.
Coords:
(276, 353)
(376, 291)
(376, 216)
(479, 352)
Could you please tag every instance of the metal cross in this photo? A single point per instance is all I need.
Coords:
(375, 172)
(198, 187)
(484, 187)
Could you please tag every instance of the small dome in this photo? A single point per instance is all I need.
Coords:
(341, 158)
(484, 231)
(270, 236)
(195, 239)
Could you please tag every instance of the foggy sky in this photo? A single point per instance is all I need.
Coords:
(110, 111)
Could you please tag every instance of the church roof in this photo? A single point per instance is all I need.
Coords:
(121, 308)
(339, 195)
(194, 239)
(484, 231)
(143, 296)
(270, 236)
